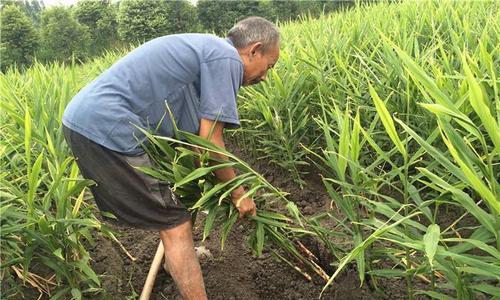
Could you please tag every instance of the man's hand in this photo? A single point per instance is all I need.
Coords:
(245, 206)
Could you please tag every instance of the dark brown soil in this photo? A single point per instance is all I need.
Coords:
(230, 274)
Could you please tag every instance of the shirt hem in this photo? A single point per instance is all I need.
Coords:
(232, 122)
(100, 141)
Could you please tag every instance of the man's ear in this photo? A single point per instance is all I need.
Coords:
(255, 48)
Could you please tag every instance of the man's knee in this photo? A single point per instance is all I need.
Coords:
(179, 233)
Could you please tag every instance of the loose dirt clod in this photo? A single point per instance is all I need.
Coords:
(203, 253)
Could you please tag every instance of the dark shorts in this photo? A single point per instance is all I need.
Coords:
(135, 198)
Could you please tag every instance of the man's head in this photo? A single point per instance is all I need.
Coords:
(258, 43)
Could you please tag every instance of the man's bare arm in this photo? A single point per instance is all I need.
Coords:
(216, 136)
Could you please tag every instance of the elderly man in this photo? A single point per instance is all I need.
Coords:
(198, 76)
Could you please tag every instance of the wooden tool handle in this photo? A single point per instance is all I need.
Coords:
(153, 271)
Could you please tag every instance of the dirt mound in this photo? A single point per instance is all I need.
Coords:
(233, 273)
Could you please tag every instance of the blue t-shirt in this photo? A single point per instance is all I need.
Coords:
(196, 75)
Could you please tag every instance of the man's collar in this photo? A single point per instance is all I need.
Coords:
(229, 41)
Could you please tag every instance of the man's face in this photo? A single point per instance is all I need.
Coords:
(256, 64)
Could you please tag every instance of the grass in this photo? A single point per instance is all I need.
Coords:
(46, 218)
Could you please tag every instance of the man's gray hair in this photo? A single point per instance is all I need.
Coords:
(252, 30)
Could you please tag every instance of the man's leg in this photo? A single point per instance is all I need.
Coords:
(182, 263)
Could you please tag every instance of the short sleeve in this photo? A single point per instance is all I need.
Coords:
(220, 81)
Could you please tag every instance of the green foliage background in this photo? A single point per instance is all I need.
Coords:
(100, 19)
(19, 38)
(91, 27)
(62, 36)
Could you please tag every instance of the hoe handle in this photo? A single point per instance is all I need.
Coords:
(153, 271)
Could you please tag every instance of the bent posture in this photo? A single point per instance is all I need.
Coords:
(198, 76)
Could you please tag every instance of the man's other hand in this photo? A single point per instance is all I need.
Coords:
(245, 206)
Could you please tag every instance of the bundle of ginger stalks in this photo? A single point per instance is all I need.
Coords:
(278, 223)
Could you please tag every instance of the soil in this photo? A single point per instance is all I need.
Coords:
(233, 273)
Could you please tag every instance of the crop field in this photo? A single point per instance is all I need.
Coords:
(372, 151)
